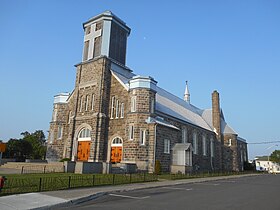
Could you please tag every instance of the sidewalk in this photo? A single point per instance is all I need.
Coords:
(45, 200)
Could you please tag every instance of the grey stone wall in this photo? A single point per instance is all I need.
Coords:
(56, 147)
(94, 77)
(200, 162)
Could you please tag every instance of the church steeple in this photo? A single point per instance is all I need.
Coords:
(187, 95)
(105, 35)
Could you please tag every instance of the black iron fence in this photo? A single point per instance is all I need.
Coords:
(200, 174)
(26, 183)
(41, 169)
(14, 185)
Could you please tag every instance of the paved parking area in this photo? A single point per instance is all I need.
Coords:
(254, 192)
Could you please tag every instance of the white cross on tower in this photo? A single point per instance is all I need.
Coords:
(90, 37)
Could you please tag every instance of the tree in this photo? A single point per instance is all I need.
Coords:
(13, 148)
(31, 146)
(37, 141)
(275, 156)
(18, 149)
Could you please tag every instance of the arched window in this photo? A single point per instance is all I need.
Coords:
(195, 146)
(117, 142)
(85, 133)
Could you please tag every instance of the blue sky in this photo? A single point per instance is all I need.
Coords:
(229, 46)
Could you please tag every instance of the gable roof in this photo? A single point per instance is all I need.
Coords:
(225, 128)
(173, 106)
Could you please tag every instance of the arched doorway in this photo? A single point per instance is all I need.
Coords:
(84, 141)
(116, 150)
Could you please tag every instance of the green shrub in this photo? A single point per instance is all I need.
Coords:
(65, 159)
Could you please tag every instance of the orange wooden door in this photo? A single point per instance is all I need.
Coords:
(116, 154)
(83, 150)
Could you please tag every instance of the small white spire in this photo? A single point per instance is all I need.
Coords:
(187, 95)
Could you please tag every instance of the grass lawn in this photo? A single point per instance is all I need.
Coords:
(24, 183)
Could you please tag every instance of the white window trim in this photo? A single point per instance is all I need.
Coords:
(195, 149)
(133, 104)
(143, 137)
(204, 146)
(122, 110)
(92, 102)
(166, 146)
(112, 107)
(54, 114)
(184, 135)
(86, 135)
(117, 109)
(86, 102)
(212, 147)
(81, 104)
(230, 142)
(59, 132)
(69, 117)
(131, 132)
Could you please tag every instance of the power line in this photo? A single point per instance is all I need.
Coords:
(264, 142)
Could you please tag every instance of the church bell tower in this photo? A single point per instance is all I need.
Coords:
(105, 35)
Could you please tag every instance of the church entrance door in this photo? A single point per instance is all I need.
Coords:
(83, 150)
(116, 154)
(116, 151)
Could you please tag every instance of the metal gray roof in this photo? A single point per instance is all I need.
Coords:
(174, 106)
(171, 105)
(225, 128)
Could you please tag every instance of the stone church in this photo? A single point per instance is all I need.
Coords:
(115, 116)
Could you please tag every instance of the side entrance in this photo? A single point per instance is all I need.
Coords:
(83, 150)
(116, 150)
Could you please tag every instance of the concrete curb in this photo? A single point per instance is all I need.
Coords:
(74, 201)
(150, 185)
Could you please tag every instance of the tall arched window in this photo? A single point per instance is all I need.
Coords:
(195, 146)
(85, 134)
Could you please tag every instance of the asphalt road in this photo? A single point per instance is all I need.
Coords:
(256, 192)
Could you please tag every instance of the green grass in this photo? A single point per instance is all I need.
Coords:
(25, 183)
(197, 175)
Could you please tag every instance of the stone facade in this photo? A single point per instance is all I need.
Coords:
(127, 117)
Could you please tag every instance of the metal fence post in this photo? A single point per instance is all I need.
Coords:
(69, 182)
(22, 169)
(45, 169)
(114, 179)
(93, 180)
(40, 184)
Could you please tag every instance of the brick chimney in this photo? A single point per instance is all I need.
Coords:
(216, 114)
